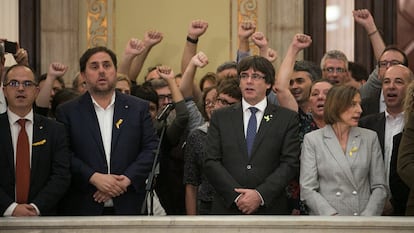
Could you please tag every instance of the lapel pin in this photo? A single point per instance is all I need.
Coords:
(118, 123)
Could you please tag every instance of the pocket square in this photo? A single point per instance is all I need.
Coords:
(39, 143)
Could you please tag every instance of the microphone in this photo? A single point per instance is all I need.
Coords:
(165, 112)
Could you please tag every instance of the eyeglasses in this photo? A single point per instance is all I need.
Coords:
(254, 76)
(163, 97)
(209, 103)
(224, 102)
(16, 84)
(384, 64)
(333, 69)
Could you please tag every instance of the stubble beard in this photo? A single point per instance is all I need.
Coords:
(103, 90)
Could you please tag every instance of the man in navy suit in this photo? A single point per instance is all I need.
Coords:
(47, 171)
(252, 181)
(113, 139)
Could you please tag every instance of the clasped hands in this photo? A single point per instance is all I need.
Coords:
(109, 186)
(248, 201)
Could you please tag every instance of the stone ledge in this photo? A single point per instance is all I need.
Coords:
(217, 224)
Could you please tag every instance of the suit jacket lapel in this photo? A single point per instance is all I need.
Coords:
(381, 130)
(237, 121)
(6, 140)
(39, 139)
(353, 146)
(120, 112)
(335, 149)
(88, 115)
(265, 125)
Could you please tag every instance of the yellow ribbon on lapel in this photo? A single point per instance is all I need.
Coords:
(118, 123)
(39, 143)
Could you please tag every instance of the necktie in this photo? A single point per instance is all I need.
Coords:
(251, 129)
(22, 164)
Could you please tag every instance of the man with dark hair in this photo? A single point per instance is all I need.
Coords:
(113, 140)
(358, 75)
(252, 147)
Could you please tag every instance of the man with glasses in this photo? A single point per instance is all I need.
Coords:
(252, 147)
(334, 65)
(34, 153)
(228, 93)
(372, 97)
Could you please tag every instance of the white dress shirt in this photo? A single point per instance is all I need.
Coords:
(105, 120)
(14, 130)
(393, 126)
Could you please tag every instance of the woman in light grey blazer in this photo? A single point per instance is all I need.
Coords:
(342, 170)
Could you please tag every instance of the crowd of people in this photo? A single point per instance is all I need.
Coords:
(303, 139)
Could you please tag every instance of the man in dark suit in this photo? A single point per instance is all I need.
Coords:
(250, 175)
(391, 122)
(35, 188)
(113, 139)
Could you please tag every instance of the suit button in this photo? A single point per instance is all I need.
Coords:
(355, 214)
(354, 192)
(338, 194)
(249, 166)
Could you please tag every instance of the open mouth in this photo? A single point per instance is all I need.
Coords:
(20, 97)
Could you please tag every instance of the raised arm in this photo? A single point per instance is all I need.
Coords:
(196, 29)
(246, 29)
(188, 87)
(261, 42)
(133, 48)
(151, 38)
(167, 74)
(55, 70)
(364, 18)
(281, 86)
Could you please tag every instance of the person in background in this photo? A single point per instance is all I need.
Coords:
(123, 84)
(341, 165)
(373, 102)
(79, 84)
(50, 83)
(358, 75)
(208, 80)
(21, 57)
(61, 97)
(136, 53)
(31, 185)
(334, 66)
(146, 92)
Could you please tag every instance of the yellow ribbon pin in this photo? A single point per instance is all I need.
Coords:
(118, 123)
(39, 143)
(268, 117)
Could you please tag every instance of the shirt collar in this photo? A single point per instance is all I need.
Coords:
(261, 105)
(399, 115)
(14, 117)
(110, 104)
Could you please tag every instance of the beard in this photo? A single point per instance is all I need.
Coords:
(103, 89)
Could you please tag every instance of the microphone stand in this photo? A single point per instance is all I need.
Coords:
(150, 186)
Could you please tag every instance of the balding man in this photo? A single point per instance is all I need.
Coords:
(389, 123)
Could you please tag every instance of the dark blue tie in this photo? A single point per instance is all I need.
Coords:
(251, 129)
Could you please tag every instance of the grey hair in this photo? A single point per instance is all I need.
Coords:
(334, 54)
